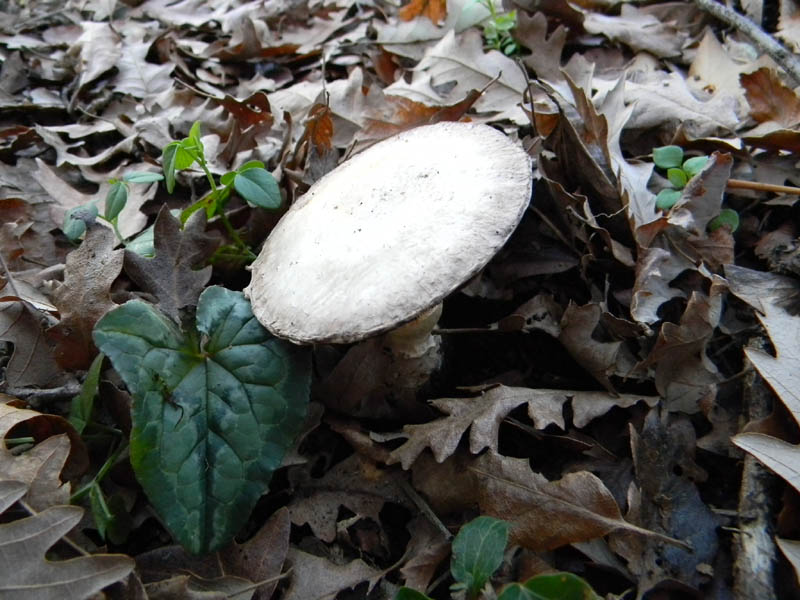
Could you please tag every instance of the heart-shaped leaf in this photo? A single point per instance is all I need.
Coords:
(214, 410)
(258, 187)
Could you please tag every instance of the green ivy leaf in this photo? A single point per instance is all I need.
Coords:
(666, 199)
(405, 593)
(477, 552)
(215, 408)
(667, 157)
(694, 165)
(258, 187)
(80, 410)
(677, 177)
(556, 586)
(726, 218)
(142, 177)
(116, 199)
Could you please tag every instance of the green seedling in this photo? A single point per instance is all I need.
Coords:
(478, 552)
(77, 218)
(251, 181)
(679, 172)
(497, 29)
(726, 218)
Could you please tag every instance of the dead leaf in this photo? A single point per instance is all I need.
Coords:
(791, 550)
(84, 297)
(656, 268)
(171, 275)
(321, 579)
(261, 557)
(701, 199)
(42, 467)
(667, 501)
(638, 30)
(24, 543)
(770, 99)
(426, 550)
(459, 64)
(435, 10)
(98, 50)
(546, 514)
(344, 485)
(781, 372)
(482, 415)
(684, 374)
(33, 362)
(599, 358)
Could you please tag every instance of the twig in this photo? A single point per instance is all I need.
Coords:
(424, 508)
(741, 184)
(44, 395)
(763, 41)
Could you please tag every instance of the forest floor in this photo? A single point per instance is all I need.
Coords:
(620, 383)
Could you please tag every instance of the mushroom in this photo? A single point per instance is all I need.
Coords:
(375, 245)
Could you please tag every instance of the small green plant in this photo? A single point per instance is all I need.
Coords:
(679, 172)
(251, 181)
(497, 29)
(478, 551)
(117, 197)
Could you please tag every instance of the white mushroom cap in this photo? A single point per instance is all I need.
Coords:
(390, 232)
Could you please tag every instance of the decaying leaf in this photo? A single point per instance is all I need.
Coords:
(172, 275)
(344, 485)
(25, 573)
(435, 10)
(319, 578)
(32, 363)
(547, 514)
(483, 414)
(84, 297)
(667, 500)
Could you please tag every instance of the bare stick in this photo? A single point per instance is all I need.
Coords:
(763, 41)
(741, 184)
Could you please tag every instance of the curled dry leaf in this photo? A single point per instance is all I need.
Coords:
(26, 573)
(32, 363)
(58, 448)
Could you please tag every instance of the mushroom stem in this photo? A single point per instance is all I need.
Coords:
(414, 339)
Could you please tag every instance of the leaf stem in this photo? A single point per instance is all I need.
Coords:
(201, 160)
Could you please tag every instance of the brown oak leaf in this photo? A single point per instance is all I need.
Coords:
(84, 297)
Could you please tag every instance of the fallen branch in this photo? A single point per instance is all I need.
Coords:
(762, 40)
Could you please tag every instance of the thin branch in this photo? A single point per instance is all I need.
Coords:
(741, 184)
(763, 41)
